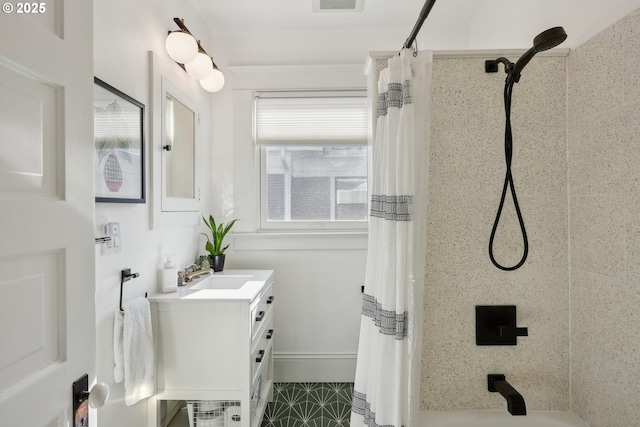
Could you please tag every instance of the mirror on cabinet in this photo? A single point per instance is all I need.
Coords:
(175, 148)
(179, 164)
(178, 149)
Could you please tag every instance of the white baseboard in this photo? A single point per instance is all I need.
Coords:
(314, 367)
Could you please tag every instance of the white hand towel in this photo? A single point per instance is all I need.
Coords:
(118, 347)
(133, 350)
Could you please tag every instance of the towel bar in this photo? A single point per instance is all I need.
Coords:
(125, 276)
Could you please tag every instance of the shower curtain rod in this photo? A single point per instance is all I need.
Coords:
(416, 28)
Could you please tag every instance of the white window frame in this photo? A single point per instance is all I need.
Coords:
(304, 226)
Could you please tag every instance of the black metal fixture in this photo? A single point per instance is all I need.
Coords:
(496, 325)
(543, 41)
(125, 276)
(426, 9)
(515, 401)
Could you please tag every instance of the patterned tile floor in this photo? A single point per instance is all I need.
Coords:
(309, 405)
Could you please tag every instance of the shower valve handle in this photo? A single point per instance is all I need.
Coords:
(496, 325)
(503, 330)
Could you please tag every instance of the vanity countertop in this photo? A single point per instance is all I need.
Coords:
(227, 285)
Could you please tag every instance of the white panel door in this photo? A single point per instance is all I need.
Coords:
(47, 285)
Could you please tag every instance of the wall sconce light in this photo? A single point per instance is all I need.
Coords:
(184, 49)
(181, 46)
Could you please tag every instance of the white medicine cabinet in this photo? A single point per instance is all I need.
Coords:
(175, 150)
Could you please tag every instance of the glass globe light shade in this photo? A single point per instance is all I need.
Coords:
(181, 46)
(200, 68)
(214, 82)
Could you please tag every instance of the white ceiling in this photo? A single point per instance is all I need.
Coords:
(452, 24)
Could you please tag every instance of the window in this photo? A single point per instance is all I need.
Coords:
(313, 149)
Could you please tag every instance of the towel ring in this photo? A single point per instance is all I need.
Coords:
(125, 276)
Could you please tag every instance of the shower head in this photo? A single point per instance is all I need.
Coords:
(549, 39)
(544, 41)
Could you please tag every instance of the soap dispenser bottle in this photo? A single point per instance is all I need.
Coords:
(168, 275)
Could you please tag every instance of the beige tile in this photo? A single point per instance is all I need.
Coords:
(599, 84)
(539, 98)
(615, 151)
(538, 365)
(540, 160)
(631, 59)
(597, 234)
(462, 163)
(466, 177)
(457, 233)
(579, 158)
(604, 150)
(632, 234)
(577, 84)
(605, 367)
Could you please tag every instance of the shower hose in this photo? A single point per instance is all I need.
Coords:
(508, 183)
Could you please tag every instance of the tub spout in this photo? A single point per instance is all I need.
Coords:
(515, 401)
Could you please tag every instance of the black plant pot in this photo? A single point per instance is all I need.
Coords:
(217, 262)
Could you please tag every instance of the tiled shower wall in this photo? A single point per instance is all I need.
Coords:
(604, 225)
(466, 176)
(578, 183)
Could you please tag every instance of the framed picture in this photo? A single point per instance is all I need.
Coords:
(119, 145)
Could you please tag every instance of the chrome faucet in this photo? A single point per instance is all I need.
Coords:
(192, 275)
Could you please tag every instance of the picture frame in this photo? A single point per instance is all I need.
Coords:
(119, 170)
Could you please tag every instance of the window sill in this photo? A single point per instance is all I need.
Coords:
(266, 241)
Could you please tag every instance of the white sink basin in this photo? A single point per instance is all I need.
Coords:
(227, 281)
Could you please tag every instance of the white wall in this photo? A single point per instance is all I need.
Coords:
(512, 25)
(317, 284)
(318, 277)
(124, 32)
(318, 290)
(317, 280)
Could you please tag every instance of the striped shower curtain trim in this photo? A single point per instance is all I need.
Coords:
(392, 208)
(389, 322)
(397, 95)
(362, 407)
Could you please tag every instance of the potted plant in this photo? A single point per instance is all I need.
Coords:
(214, 245)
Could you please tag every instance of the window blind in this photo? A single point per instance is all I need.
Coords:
(286, 119)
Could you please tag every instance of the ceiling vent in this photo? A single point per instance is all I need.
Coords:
(338, 5)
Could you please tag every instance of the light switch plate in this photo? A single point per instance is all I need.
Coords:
(112, 230)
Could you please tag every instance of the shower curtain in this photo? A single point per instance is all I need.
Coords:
(387, 384)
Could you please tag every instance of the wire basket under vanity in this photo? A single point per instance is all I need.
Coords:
(214, 413)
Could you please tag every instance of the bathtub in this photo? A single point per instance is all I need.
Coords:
(499, 419)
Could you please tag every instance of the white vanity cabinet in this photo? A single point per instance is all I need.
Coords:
(214, 342)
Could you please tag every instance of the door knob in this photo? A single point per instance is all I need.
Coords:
(82, 398)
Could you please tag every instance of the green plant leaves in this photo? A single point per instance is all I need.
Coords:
(218, 232)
